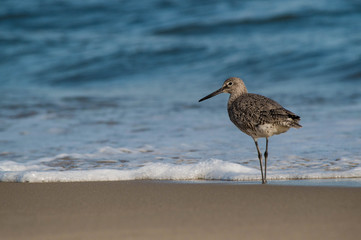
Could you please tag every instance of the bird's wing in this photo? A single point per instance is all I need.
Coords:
(254, 110)
(280, 116)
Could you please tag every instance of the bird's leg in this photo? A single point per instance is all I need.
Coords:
(260, 159)
(265, 161)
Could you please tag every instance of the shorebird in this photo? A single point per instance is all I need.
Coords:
(256, 115)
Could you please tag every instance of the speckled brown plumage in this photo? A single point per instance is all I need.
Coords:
(249, 112)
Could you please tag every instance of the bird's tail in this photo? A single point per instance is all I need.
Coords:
(295, 120)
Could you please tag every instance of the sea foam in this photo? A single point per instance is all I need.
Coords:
(212, 169)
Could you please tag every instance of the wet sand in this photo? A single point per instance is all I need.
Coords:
(164, 210)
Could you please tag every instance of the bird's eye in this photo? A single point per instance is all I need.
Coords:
(230, 84)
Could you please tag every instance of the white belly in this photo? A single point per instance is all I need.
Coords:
(268, 130)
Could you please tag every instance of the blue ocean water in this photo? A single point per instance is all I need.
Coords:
(108, 90)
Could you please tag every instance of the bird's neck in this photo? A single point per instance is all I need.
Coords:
(234, 95)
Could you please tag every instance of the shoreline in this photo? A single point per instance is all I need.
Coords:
(165, 210)
(317, 182)
(354, 182)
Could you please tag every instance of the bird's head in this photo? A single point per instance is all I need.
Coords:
(232, 86)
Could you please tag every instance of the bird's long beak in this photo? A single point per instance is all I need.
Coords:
(212, 94)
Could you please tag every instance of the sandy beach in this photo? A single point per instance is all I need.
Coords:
(163, 210)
